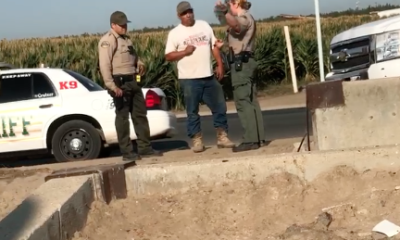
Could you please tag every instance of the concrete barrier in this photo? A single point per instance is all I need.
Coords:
(54, 211)
(181, 177)
(355, 114)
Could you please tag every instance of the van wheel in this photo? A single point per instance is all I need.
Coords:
(76, 140)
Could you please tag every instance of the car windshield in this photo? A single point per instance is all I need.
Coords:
(89, 84)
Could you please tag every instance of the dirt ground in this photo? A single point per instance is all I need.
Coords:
(283, 207)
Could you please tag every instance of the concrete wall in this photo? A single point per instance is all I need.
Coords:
(369, 114)
(54, 211)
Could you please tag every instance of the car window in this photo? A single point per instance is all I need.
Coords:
(42, 88)
(15, 87)
(89, 84)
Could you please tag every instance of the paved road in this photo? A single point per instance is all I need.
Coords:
(278, 124)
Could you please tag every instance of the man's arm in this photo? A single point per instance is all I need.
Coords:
(171, 53)
(217, 56)
(215, 49)
(106, 50)
(213, 38)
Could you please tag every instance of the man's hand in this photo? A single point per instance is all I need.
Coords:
(219, 72)
(142, 69)
(189, 49)
(118, 92)
(219, 43)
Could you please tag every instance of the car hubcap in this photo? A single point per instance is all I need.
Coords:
(76, 144)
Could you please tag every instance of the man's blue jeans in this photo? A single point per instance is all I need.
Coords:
(208, 90)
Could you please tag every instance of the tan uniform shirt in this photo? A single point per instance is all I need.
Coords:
(116, 56)
(243, 40)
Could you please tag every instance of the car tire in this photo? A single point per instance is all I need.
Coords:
(76, 140)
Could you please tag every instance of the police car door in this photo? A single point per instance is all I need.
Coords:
(27, 102)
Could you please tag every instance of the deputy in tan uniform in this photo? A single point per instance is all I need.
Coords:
(119, 66)
(241, 39)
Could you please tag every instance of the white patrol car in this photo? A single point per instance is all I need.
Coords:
(62, 112)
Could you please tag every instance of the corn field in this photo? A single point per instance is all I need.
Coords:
(79, 53)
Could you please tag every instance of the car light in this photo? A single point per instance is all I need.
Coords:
(152, 99)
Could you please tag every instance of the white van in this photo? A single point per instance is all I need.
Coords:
(369, 51)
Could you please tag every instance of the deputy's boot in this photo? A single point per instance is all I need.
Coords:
(198, 143)
(223, 140)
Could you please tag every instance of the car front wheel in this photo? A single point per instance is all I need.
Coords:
(76, 140)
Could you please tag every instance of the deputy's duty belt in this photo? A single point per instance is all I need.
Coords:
(250, 54)
(125, 78)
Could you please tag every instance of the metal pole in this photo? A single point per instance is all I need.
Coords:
(319, 39)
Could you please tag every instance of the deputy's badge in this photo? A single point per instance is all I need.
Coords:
(104, 44)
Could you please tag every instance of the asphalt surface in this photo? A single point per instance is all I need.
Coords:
(278, 124)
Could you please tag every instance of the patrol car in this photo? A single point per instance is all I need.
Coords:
(65, 113)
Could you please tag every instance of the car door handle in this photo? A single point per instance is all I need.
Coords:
(46, 106)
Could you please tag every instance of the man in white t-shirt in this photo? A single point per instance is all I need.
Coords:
(191, 44)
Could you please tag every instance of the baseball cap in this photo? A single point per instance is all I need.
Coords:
(119, 18)
(183, 7)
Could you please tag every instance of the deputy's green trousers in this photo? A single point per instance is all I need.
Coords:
(135, 106)
(247, 105)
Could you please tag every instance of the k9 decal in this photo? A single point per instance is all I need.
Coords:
(68, 85)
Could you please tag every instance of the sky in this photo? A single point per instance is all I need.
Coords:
(46, 18)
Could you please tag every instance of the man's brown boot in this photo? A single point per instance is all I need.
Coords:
(198, 143)
(223, 140)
